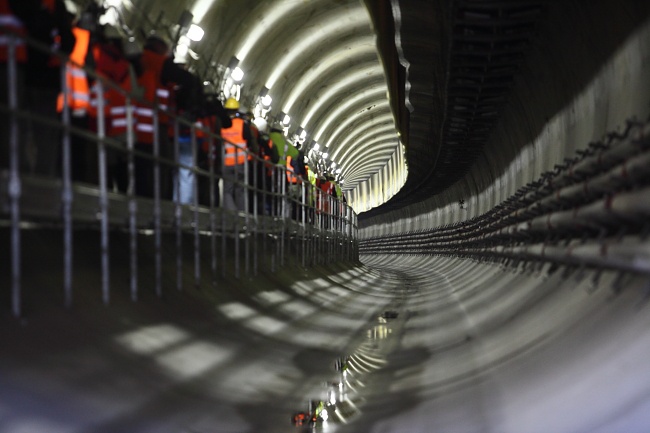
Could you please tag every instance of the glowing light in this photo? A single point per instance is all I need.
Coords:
(267, 100)
(195, 33)
(237, 74)
(286, 120)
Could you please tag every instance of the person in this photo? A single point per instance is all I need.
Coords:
(159, 76)
(295, 174)
(285, 149)
(237, 141)
(254, 165)
(50, 23)
(111, 64)
(214, 117)
(269, 154)
(311, 175)
(76, 96)
(325, 191)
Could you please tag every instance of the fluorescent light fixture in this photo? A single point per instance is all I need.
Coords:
(237, 74)
(195, 33)
(266, 101)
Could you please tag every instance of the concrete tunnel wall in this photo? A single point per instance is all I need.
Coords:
(475, 348)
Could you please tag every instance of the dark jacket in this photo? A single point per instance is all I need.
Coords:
(42, 25)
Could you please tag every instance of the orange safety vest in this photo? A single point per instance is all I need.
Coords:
(115, 114)
(76, 81)
(323, 193)
(292, 177)
(235, 144)
(10, 24)
(114, 100)
(154, 92)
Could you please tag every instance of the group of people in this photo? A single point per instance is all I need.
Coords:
(143, 92)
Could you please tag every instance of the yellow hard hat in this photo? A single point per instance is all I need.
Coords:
(231, 104)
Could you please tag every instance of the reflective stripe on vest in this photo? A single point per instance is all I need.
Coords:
(235, 145)
(144, 129)
(9, 23)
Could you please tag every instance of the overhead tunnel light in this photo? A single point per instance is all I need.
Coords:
(195, 33)
(237, 74)
(266, 101)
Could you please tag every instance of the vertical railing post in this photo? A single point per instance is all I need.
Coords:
(257, 194)
(274, 212)
(235, 213)
(103, 190)
(178, 208)
(66, 195)
(223, 212)
(133, 205)
(283, 196)
(197, 238)
(15, 186)
(248, 189)
(156, 201)
(212, 192)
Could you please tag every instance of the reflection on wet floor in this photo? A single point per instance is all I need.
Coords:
(343, 396)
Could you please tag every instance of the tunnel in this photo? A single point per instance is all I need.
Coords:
(489, 271)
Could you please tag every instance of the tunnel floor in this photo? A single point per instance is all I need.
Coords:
(465, 347)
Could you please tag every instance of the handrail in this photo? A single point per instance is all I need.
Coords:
(321, 227)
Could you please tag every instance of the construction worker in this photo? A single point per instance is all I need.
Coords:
(50, 23)
(76, 96)
(311, 175)
(269, 153)
(324, 191)
(238, 147)
(209, 157)
(295, 175)
(159, 75)
(111, 64)
(285, 149)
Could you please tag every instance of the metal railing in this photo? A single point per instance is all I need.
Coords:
(294, 223)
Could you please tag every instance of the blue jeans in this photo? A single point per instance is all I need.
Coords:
(186, 177)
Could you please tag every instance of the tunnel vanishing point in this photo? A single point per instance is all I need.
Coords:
(489, 273)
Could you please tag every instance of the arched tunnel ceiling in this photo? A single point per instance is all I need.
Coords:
(318, 59)
(362, 77)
